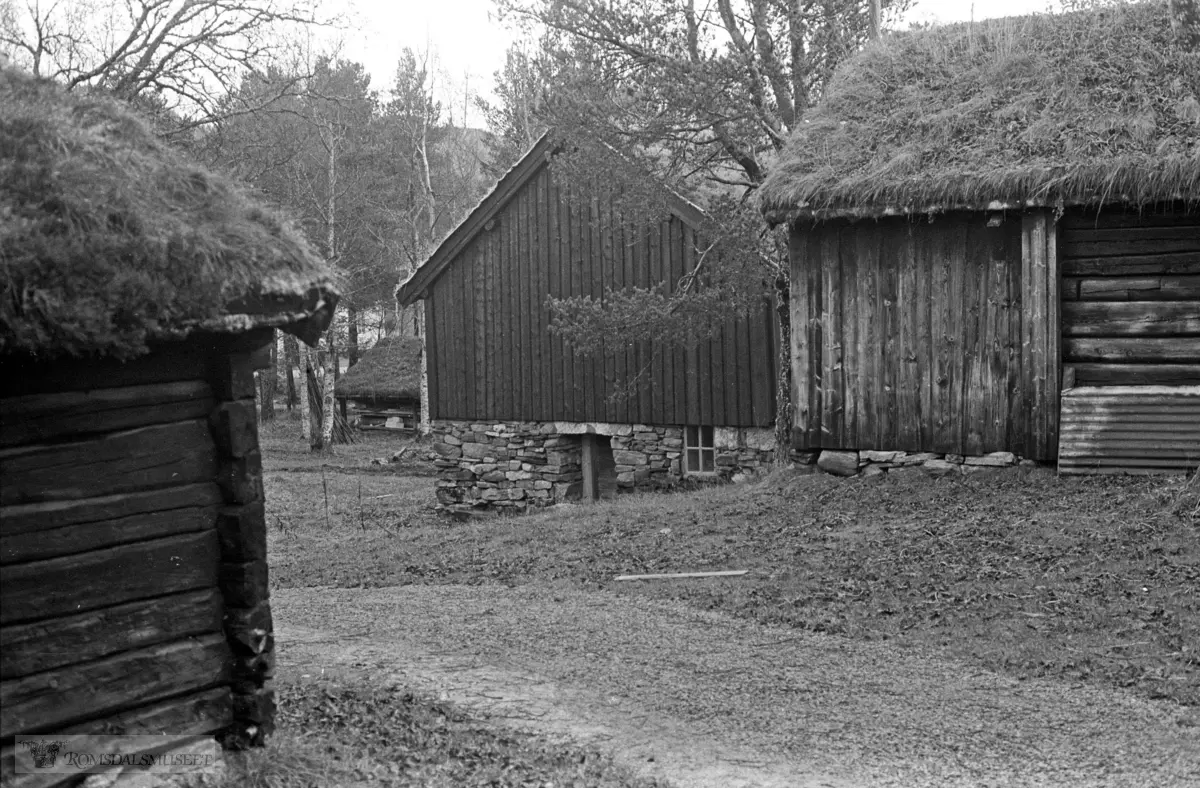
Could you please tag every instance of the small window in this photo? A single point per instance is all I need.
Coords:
(699, 455)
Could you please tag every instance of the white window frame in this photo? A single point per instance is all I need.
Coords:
(698, 445)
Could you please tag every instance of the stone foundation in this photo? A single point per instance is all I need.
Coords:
(876, 463)
(511, 466)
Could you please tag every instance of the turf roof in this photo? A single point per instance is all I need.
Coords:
(110, 239)
(1090, 107)
(391, 369)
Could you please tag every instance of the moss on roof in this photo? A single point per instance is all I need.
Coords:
(1080, 108)
(110, 239)
(389, 370)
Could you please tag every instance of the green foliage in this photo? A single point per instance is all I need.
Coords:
(1084, 107)
(110, 239)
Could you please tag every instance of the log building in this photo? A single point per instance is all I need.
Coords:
(383, 387)
(995, 247)
(140, 293)
(522, 420)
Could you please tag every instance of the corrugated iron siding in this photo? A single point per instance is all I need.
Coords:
(1130, 429)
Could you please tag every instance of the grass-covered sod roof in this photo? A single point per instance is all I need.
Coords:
(391, 369)
(1082, 108)
(110, 239)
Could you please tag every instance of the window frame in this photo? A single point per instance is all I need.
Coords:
(698, 441)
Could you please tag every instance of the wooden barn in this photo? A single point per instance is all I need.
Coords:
(995, 248)
(521, 419)
(139, 295)
(383, 388)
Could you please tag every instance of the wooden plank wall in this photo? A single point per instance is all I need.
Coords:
(1131, 297)
(926, 336)
(493, 356)
(109, 552)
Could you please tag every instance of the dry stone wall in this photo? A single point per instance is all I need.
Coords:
(498, 466)
(875, 463)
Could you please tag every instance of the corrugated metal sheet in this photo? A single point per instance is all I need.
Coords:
(1129, 429)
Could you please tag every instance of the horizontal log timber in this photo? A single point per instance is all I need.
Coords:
(142, 458)
(1137, 374)
(68, 640)
(45, 417)
(1152, 350)
(1132, 288)
(86, 537)
(199, 713)
(1187, 231)
(1113, 216)
(27, 518)
(1181, 242)
(1131, 318)
(48, 700)
(89, 581)
(1180, 263)
(166, 364)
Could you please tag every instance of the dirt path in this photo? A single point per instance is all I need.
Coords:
(702, 699)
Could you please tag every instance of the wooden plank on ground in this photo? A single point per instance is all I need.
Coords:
(141, 458)
(68, 640)
(72, 584)
(46, 700)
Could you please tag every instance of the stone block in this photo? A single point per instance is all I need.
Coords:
(568, 491)
(957, 459)
(463, 475)
(839, 463)
(515, 476)
(939, 468)
(871, 455)
(872, 471)
(448, 451)
(494, 495)
(726, 437)
(729, 460)
(538, 495)
(516, 494)
(629, 458)
(918, 458)
(997, 459)
(476, 451)
(759, 439)
(450, 439)
(625, 479)
(494, 476)
(641, 475)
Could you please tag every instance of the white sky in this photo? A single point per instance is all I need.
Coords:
(469, 42)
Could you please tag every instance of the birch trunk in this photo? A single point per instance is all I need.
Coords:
(326, 379)
(302, 395)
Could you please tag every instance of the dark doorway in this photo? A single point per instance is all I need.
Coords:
(599, 468)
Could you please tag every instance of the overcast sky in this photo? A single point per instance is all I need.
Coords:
(470, 42)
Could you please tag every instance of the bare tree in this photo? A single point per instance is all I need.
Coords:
(181, 56)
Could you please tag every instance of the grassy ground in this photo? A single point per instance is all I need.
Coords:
(1085, 579)
(334, 734)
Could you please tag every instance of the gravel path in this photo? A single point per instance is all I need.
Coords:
(703, 699)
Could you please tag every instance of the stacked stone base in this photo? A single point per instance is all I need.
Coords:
(877, 463)
(512, 466)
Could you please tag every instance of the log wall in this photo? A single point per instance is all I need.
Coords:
(926, 336)
(132, 548)
(1131, 341)
(492, 356)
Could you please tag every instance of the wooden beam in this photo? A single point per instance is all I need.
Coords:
(52, 643)
(1098, 374)
(1187, 263)
(48, 515)
(591, 482)
(46, 700)
(146, 457)
(1127, 350)
(1131, 318)
(1136, 288)
(62, 586)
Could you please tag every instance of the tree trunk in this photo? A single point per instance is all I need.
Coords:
(783, 377)
(352, 334)
(305, 399)
(291, 359)
(876, 20)
(266, 389)
(327, 376)
(316, 400)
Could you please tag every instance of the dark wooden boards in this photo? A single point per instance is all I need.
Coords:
(1131, 318)
(142, 458)
(495, 356)
(71, 584)
(53, 698)
(909, 335)
(66, 640)
(1112, 374)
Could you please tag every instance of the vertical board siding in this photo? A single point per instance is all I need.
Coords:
(494, 356)
(909, 336)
